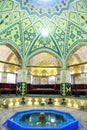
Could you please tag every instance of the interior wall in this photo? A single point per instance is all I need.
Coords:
(79, 71)
(55, 79)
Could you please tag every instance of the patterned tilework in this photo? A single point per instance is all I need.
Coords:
(45, 20)
(45, 8)
(38, 26)
(45, 43)
(62, 24)
(25, 23)
(24, 14)
(51, 27)
(16, 7)
(6, 5)
(22, 21)
(34, 19)
(73, 17)
(75, 35)
(29, 36)
(23, 88)
(8, 18)
(15, 16)
(68, 89)
(5, 20)
(1, 4)
(77, 25)
(83, 20)
(81, 6)
(12, 33)
(73, 7)
(65, 89)
(59, 36)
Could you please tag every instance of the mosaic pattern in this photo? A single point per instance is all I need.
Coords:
(26, 23)
(75, 35)
(81, 6)
(83, 20)
(22, 88)
(68, 89)
(47, 8)
(29, 36)
(44, 43)
(22, 29)
(6, 5)
(65, 89)
(59, 36)
(13, 34)
(38, 26)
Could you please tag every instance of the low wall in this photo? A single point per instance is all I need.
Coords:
(71, 102)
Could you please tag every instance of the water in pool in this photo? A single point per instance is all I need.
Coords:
(42, 119)
(39, 119)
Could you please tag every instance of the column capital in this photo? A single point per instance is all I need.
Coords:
(23, 65)
(64, 64)
(22, 73)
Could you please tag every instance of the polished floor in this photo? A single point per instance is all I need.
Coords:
(79, 114)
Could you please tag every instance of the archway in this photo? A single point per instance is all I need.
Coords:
(77, 62)
(42, 67)
(9, 64)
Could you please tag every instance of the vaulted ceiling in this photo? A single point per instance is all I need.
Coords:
(22, 23)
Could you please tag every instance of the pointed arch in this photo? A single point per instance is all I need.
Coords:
(45, 50)
(75, 48)
(13, 48)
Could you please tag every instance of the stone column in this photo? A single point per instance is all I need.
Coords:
(65, 80)
(22, 78)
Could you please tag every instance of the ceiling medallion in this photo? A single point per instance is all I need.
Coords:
(45, 7)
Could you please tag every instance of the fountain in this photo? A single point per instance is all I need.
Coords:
(42, 118)
(39, 119)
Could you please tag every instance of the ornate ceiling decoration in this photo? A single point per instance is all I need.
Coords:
(45, 7)
(22, 23)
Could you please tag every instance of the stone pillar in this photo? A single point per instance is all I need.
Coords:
(65, 80)
(22, 78)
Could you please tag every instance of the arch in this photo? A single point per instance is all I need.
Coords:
(10, 56)
(75, 48)
(13, 48)
(77, 57)
(45, 50)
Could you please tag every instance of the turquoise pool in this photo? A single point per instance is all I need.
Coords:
(39, 119)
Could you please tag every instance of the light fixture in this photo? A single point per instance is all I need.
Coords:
(45, 32)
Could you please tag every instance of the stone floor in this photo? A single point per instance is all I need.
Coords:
(79, 114)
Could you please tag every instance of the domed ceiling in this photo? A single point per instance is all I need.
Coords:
(45, 7)
(23, 21)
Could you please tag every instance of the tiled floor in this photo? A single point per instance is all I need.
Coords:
(79, 114)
